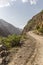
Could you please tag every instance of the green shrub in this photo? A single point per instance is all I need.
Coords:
(11, 41)
(37, 27)
(15, 40)
(41, 30)
(6, 42)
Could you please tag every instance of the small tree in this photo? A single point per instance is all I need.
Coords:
(41, 30)
(37, 27)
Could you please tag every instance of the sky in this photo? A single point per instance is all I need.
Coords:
(19, 12)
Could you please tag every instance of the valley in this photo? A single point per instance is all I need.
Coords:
(22, 47)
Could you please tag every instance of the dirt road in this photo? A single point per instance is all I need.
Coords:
(31, 53)
(26, 54)
(39, 57)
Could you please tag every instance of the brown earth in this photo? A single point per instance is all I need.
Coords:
(27, 53)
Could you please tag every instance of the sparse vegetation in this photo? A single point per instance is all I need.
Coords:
(12, 40)
(39, 28)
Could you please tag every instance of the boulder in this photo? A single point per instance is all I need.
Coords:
(2, 47)
(4, 53)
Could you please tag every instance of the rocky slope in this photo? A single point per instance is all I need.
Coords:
(4, 55)
(7, 29)
(32, 23)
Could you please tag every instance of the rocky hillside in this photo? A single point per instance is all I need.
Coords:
(32, 23)
(7, 29)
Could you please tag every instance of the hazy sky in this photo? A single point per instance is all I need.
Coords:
(18, 12)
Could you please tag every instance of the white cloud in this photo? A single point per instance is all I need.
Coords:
(24, 1)
(31, 1)
(4, 3)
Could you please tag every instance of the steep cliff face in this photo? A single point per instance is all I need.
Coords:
(7, 29)
(37, 19)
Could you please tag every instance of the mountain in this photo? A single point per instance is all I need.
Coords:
(7, 29)
(32, 23)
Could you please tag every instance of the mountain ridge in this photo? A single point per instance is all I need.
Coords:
(7, 28)
(32, 23)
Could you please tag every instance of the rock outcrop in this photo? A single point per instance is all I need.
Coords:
(4, 55)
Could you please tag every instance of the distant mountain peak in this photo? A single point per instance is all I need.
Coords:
(8, 29)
